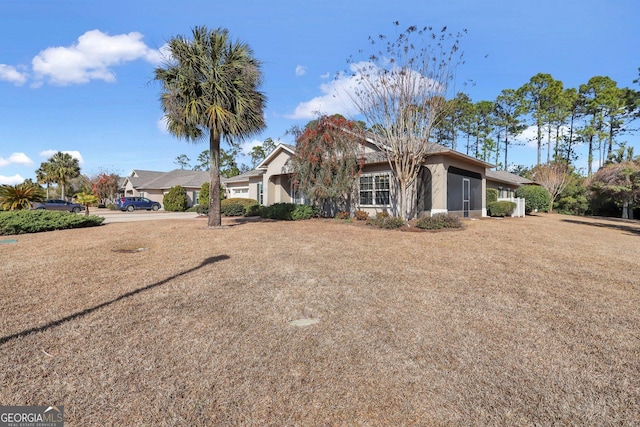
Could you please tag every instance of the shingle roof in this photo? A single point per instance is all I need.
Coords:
(141, 177)
(245, 176)
(155, 180)
(508, 178)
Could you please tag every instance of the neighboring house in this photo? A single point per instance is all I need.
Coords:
(449, 182)
(506, 183)
(246, 185)
(154, 185)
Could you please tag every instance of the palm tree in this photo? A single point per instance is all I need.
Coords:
(210, 86)
(86, 199)
(63, 168)
(21, 196)
(44, 175)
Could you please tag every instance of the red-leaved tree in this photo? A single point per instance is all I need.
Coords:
(105, 186)
(327, 162)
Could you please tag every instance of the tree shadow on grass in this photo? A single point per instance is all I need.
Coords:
(615, 226)
(87, 311)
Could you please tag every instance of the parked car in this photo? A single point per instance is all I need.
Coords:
(130, 204)
(59, 205)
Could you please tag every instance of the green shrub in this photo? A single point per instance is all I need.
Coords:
(202, 209)
(252, 210)
(439, 221)
(203, 196)
(175, 200)
(535, 197)
(34, 221)
(503, 208)
(343, 215)
(303, 212)
(572, 205)
(288, 211)
(492, 195)
(238, 206)
(111, 207)
(232, 209)
(383, 220)
(362, 215)
(280, 211)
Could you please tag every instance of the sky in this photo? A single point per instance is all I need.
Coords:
(77, 76)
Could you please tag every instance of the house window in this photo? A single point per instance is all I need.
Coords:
(195, 196)
(242, 192)
(374, 189)
(505, 193)
(260, 193)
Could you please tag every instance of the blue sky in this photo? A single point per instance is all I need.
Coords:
(77, 76)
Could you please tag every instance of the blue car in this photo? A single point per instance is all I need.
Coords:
(130, 204)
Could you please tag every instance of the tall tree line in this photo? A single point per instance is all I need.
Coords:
(597, 114)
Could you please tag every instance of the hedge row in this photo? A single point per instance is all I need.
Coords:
(34, 221)
(239, 207)
(439, 221)
(503, 208)
(384, 220)
(289, 212)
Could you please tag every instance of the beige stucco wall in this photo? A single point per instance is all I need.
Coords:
(507, 189)
(277, 186)
(438, 166)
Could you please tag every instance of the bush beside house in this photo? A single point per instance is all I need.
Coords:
(176, 199)
(536, 198)
(203, 197)
(238, 206)
(439, 221)
(500, 209)
(384, 220)
(492, 195)
(288, 211)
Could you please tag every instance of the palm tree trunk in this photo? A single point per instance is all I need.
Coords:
(215, 219)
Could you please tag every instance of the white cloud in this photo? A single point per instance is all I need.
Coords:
(11, 180)
(325, 75)
(338, 94)
(11, 74)
(529, 137)
(74, 153)
(162, 125)
(301, 70)
(335, 99)
(16, 158)
(91, 58)
(247, 146)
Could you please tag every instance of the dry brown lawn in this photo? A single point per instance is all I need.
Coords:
(530, 321)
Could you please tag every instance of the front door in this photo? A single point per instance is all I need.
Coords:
(466, 194)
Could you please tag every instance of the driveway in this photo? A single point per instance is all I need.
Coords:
(119, 216)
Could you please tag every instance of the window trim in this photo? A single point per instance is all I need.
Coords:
(374, 190)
